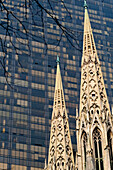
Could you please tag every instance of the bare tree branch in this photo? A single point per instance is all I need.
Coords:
(33, 9)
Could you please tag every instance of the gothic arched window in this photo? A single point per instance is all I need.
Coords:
(98, 149)
(84, 144)
(110, 147)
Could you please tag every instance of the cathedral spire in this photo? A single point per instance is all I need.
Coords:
(60, 148)
(88, 43)
(95, 117)
(93, 91)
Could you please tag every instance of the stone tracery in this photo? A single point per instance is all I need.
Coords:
(94, 108)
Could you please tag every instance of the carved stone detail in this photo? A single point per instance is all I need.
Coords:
(95, 118)
(60, 148)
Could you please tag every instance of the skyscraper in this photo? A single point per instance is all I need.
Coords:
(26, 109)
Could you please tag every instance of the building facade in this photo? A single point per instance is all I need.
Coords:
(26, 109)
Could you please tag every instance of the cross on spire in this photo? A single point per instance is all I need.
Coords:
(58, 59)
(85, 4)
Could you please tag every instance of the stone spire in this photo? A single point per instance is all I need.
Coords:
(60, 149)
(93, 94)
(94, 114)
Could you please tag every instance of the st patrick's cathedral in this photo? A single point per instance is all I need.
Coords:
(94, 121)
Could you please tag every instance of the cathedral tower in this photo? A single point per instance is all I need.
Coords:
(94, 123)
(60, 149)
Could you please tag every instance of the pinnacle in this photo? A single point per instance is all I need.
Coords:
(60, 138)
(92, 84)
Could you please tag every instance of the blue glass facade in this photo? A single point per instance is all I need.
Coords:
(26, 105)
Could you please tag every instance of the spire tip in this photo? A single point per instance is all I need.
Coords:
(85, 4)
(58, 59)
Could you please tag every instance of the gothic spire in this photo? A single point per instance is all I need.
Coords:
(95, 118)
(60, 148)
(88, 44)
(93, 96)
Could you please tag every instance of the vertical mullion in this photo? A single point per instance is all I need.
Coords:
(98, 151)
(96, 154)
(83, 152)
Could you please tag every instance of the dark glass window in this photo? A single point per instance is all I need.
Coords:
(84, 138)
(110, 148)
(98, 149)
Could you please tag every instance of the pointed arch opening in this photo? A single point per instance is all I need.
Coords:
(84, 145)
(109, 138)
(97, 141)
